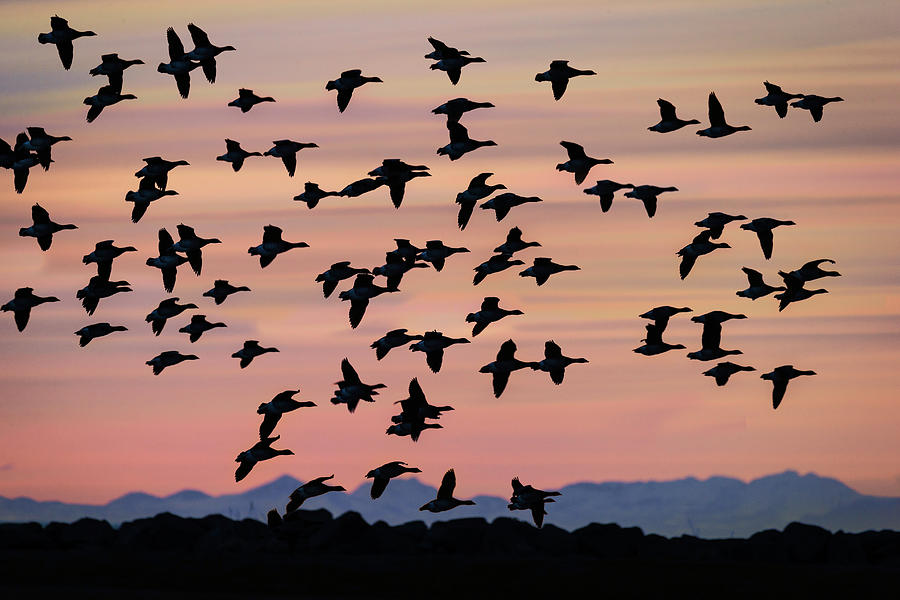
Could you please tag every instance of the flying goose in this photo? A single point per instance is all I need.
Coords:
(724, 370)
(555, 363)
(559, 75)
(776, 97)
(62, 35)
(669, 121)
(501, 204)
(814, 104)
(514, 243)
(413, 429)
(191, 244)
(89, 332)
(351, 389)
(711, 337)
(205, 52)
(392, 339)
(167, 309)
(261, 450)
(312, 193)
(442, 50)
(235, 154)
(780, 377)
(813, 270)
(311, 489)
(490, 313)
(272, 245)
(105, 96)
(544, 267)
(717, 125)
(405, 249)
(495, 264)
(393, 167)
(660, 315)
(648, 195)
(21, 162)
(477, 190)
(145, 194)
(247, 99)
(167, 261)
(505, 364)
(287, 151)
(460, 142)
(157, 170)
(97, 288)
(179, 65)
(359, 295)
(758, 288)
(445, 500)
(699, 246)
(606, 189)
(380, 476)
(113, 67)
(222, 289)
(395, 268)
(272, 410)
(104, 253)
(653, 343)
(396, 174)
(23, 301)
(436, 253)
(198, 326)
(167, 359)
(453, 65)
(579, 163)
(346, 83)
(41, 142)
(416, 406)
(455, 108)
(42, 227)
(795, 291)
(338, 272)
(433, 344)
(526, 497)
(251, 350)
(362, 186)
(716, 222)
(763, 227)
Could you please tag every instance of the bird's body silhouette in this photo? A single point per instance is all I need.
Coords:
(660, 315)
(42, 228)
(433, 344)
(167, 261)
(416, 408)
(272, 410)
(192, 244)
(717, 125)
(272, 245)
(795, 291)
(40, 142)
(146, 193)
(338, 272)
(23, 301)
(668, 120)
(699, 246)
(346, 83)
(392, 339)
(724, 370)
(778, 98)
(205, 52)
(247, 99)
(311, 489)
(445, 500)
(105, 96)
(526, 497)
(103, 255)
(653, 343)
(490, 313)
(711, 337)
(222, 289)
(514, 243)
(780, 376)
(559, 75)
(382, 475)
(716, 222)
(813, 270)
(460, 142)
(763, 227)
(351, 390)
(455, 108)
(467, 199)
(436, 253)
(815, 104)
(544, 267)
(555, 362)
(362, 186)
(168, 358)
(95, 330)
(61, 35)
(395, 267)
(157, 170)
(179, 65)
(606, 189)
(395, 174)
(579, 163)
(405, 249)
(260, 451)
(442, 50)
(250, 350)
(501, 204)
(757, 287)
(495, 264)
(312, 193)
(20, 160)
(453, 65)
(648, 194)
(113, 67)
(287, 151)
(198, 326)
(97, 288)
(167, 309)
(505, 363)
(235, 155)
(359, 295)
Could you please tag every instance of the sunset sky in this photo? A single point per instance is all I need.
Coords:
(89, 424)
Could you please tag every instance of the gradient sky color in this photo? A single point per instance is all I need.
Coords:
(90, 424)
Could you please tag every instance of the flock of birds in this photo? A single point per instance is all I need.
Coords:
(416, 415)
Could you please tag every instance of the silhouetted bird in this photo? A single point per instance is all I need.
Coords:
(445, 500)
(61, 35)
(167, 359)
(41, 142)
(758, 288)
(436, 253)
(711, 338)
(579, 163)
(89, 332)
(453, 65)
(405, 249)
(777, 97)
(312, 194)
(606, 189)
(22, 161)
(648, 195)
(495, 264)
(416, 406)
(812, 270)
(763, 228)
(411, 428)
(346, 83)
(653, 343)
(167, 261)
(490, 313)
(222, 289)
(544, 267)
(716, 222)
(559, 75)
(351, 390)
(157, 170)
(359, 295)
(311, 489)
(235, 154)
(105, 96)
(699, 246)
(514, 243)
(272, 410)
(198, 326)
(287, 151)
(104, 253)
(205, 52)
(272, 245)
(392, 339)
(814, 104)
(555, 363)
(476, 191)
(179, 65)
(505, 364)
(395, 267)
(247, 99)
(145, 194)
(661, 315)
(362, 186)
(460, 142)
(717, 125)
(501, 204)
(191, 244)
(396, 174)
(392, 167)
(382, 475)
(442, 50)
(525, 497)
(261, 450)
(455, 108)
(97, 288)
(795, 291)
(167, 309)
(42, 227)
(112, 66)
(251, 350)
(433, 344)
(669, 121)
(335, 274)
(23, 301)
(780, 377)
(724, 370)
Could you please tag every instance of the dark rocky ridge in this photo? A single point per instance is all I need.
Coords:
(312, 553)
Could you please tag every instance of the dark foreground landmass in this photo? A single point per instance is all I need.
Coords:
(313, 555)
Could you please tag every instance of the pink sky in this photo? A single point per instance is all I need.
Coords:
(90, 424)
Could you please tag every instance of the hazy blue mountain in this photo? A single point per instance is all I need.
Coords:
(715, 507)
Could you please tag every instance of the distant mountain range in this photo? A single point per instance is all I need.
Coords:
(718, 507)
